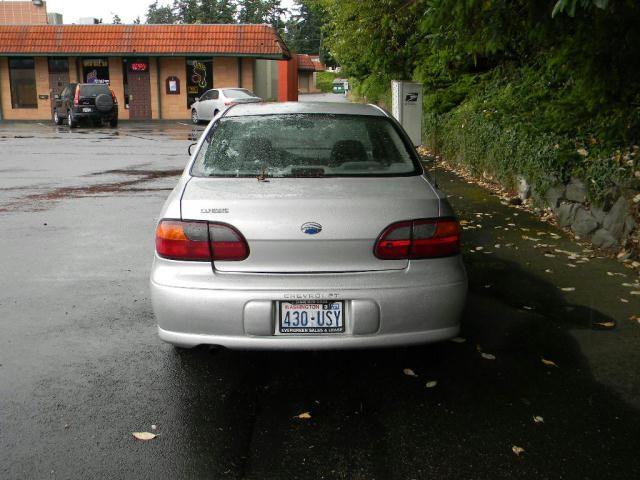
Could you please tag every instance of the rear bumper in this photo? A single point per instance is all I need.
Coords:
(421, 304)
(95, 114)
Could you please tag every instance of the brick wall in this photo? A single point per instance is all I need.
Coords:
(247, 73)
(116, 82)
(153, 83)
(43, 112)
(225, 72)
(174, 107)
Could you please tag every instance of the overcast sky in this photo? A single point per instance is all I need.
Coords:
(127, 10)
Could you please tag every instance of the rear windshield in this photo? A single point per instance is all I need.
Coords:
(93, 90)
(304, 145)
(237, 93)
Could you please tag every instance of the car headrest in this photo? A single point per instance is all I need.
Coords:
(347, 151)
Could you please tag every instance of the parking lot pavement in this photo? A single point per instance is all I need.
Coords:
(81, 367)
(322, 97)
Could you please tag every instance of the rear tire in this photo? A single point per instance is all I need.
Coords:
(56, 119)
(73, 123)
(194, 117)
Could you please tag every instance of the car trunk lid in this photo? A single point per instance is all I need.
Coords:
(304, 225)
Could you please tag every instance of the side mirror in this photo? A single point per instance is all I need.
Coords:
(191, 146)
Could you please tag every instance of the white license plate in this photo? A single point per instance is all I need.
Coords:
(86, 110)
(303, 317)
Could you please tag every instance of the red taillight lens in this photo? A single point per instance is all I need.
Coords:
(183, 240)
(200, 241)
(228, 104)
(76, 97)
(113, 95)
(428, 238)
(227, 243)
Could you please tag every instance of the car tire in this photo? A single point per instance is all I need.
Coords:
(73, 123)
(56, 119)
(194, 116)
(113, 123)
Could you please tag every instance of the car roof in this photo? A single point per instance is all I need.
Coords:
(285, 108)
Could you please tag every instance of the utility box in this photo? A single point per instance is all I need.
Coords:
(406, 107)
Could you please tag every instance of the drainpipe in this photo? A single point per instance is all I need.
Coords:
(159, 85)
(240, 72)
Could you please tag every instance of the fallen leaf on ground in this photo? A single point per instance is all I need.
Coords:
(488, 356)
(548, 363)
(517, 450)
(431, 384)
(410, 373)
(144, 436)
(479, 248)
(568, 289)
(624, 300)
(527, 307)
(303, 416)
(538, 419)
(549, 255)
(153, 427)
(548, 270)
(635, 292)
(605, 324)
(616, 274)
(458, 340)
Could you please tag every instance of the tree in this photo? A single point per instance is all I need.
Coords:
(216, 11)
(304, 29)
(116, 20)
(261, 11)
(157, 14)
(186, 11)
(136, 21)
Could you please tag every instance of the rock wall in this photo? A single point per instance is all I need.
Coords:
(608, 225)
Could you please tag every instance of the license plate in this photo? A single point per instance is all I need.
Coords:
(303, 317)
(86, 110)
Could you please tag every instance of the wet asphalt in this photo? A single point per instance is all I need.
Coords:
(81, 367)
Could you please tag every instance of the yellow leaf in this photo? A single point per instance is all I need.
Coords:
(303, 416)
(568, 289)
(144, 436)
(548, 363)
(410, 373)
(538, 419)
(431, 384)
(488, 356)
(605, 324)
(517, 450)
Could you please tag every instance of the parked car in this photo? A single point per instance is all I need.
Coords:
(306, 226)
(338, 86)
(86, 101)
(217, 100)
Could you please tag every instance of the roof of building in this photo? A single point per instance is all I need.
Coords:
(320, 67)
(27, 12)
(259, 41)
(305, 63)
(291, 108)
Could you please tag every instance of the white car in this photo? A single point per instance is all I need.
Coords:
(218, 100)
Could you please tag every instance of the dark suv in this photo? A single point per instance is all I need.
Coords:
(80, 101)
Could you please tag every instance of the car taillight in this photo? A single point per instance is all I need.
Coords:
(414, 239)
(200, 241)
(76, 97)
(228, 104)
(113, 95)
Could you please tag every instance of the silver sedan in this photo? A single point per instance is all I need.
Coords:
(306, 226)
(217, 100)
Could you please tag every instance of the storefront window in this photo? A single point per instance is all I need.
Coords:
(22, 77)
(95, 70)
(199, 78)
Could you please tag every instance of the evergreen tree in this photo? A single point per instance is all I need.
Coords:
(217, 11)
(116, 20)
(262, 11)
(157, 14)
